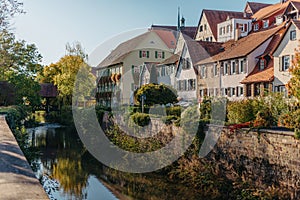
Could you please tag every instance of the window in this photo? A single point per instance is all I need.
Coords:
(203, 72)
(241, 91)
(242, 66)
(163, 71)
(266, 23)
(191, 84)
(233, 68)
(262, 63)
(205, 27)
(144, 54)
(245, 27)
(159, 54)
(232, 91)
(285, 63)
(293, 35)
(215, 70)
(256, 27)
(201, 28)
(228, 29)
(220, 31)
(186, 64)
(225, 68)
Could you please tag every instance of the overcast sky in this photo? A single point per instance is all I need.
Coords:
(50, 24)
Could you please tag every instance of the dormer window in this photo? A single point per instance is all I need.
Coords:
(262, 64)
(293, 35)
(256, 27)
(266, 23)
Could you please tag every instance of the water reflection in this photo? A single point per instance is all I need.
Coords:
(60, 165)
(68, 171)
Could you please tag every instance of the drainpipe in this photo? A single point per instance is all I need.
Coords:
(220, 77)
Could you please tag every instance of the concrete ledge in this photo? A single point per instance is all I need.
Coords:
(17, 180)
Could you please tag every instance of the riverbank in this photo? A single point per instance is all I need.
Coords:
(17, 180)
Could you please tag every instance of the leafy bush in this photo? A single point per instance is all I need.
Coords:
(174, 111)
(156, 94)
(64, 116)
(141, 119)
(240, 112)
(14, 115)
(169, 119)
(205, 108)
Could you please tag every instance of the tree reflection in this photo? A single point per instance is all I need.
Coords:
(63, 160)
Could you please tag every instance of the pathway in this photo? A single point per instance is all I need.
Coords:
(17, 180)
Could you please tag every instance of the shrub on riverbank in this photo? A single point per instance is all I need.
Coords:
(63, 117)
(15, 115)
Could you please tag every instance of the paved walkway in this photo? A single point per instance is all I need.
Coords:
(17, 180)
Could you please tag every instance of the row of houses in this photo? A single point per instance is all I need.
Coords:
(231, 54)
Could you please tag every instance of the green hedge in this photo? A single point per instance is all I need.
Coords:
(174, 111)
(14, 115)
(141, 119)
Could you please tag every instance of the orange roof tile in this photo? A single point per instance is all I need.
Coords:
(125, 48)
(243, 46)
(266, 75)
(167, 37)
(268, 11)
(257, 76)
(187, 30)
(256, 6)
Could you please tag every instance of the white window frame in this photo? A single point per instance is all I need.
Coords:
(286, 63)
(265, 23)
(233, 67)
(256, 27)
(215, 70)
(293, 35)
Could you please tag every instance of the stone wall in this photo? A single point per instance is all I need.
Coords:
(266, 158)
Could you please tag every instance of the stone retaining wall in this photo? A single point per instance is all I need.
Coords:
(264, 157)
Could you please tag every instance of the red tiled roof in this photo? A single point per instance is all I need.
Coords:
(284, 31)
(214, 17)
(200, 50)
(255, 6)
(125, 48)
(257, 76)
(296, 4)
(48, 90)
(278, 8)
(187, 30)
(167, 37)
(266, 75)
(172, 60)
(296, 23)
(244, 46)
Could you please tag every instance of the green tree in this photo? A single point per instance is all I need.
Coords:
(156, 94)
(26, 89)
(19, 65)
(8, 9)
(63, 73)
(294, 83)
(18, 56)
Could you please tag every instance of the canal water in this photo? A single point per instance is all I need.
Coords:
(61, 167)
(68, 171)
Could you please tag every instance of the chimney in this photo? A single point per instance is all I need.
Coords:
(237, 34)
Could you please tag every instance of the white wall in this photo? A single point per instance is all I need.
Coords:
(231, 34)
(286, 47)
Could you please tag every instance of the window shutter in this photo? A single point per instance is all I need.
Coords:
(156, 54)
(280, 64)
(147, 54)
(140, 54)
(163, 55)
